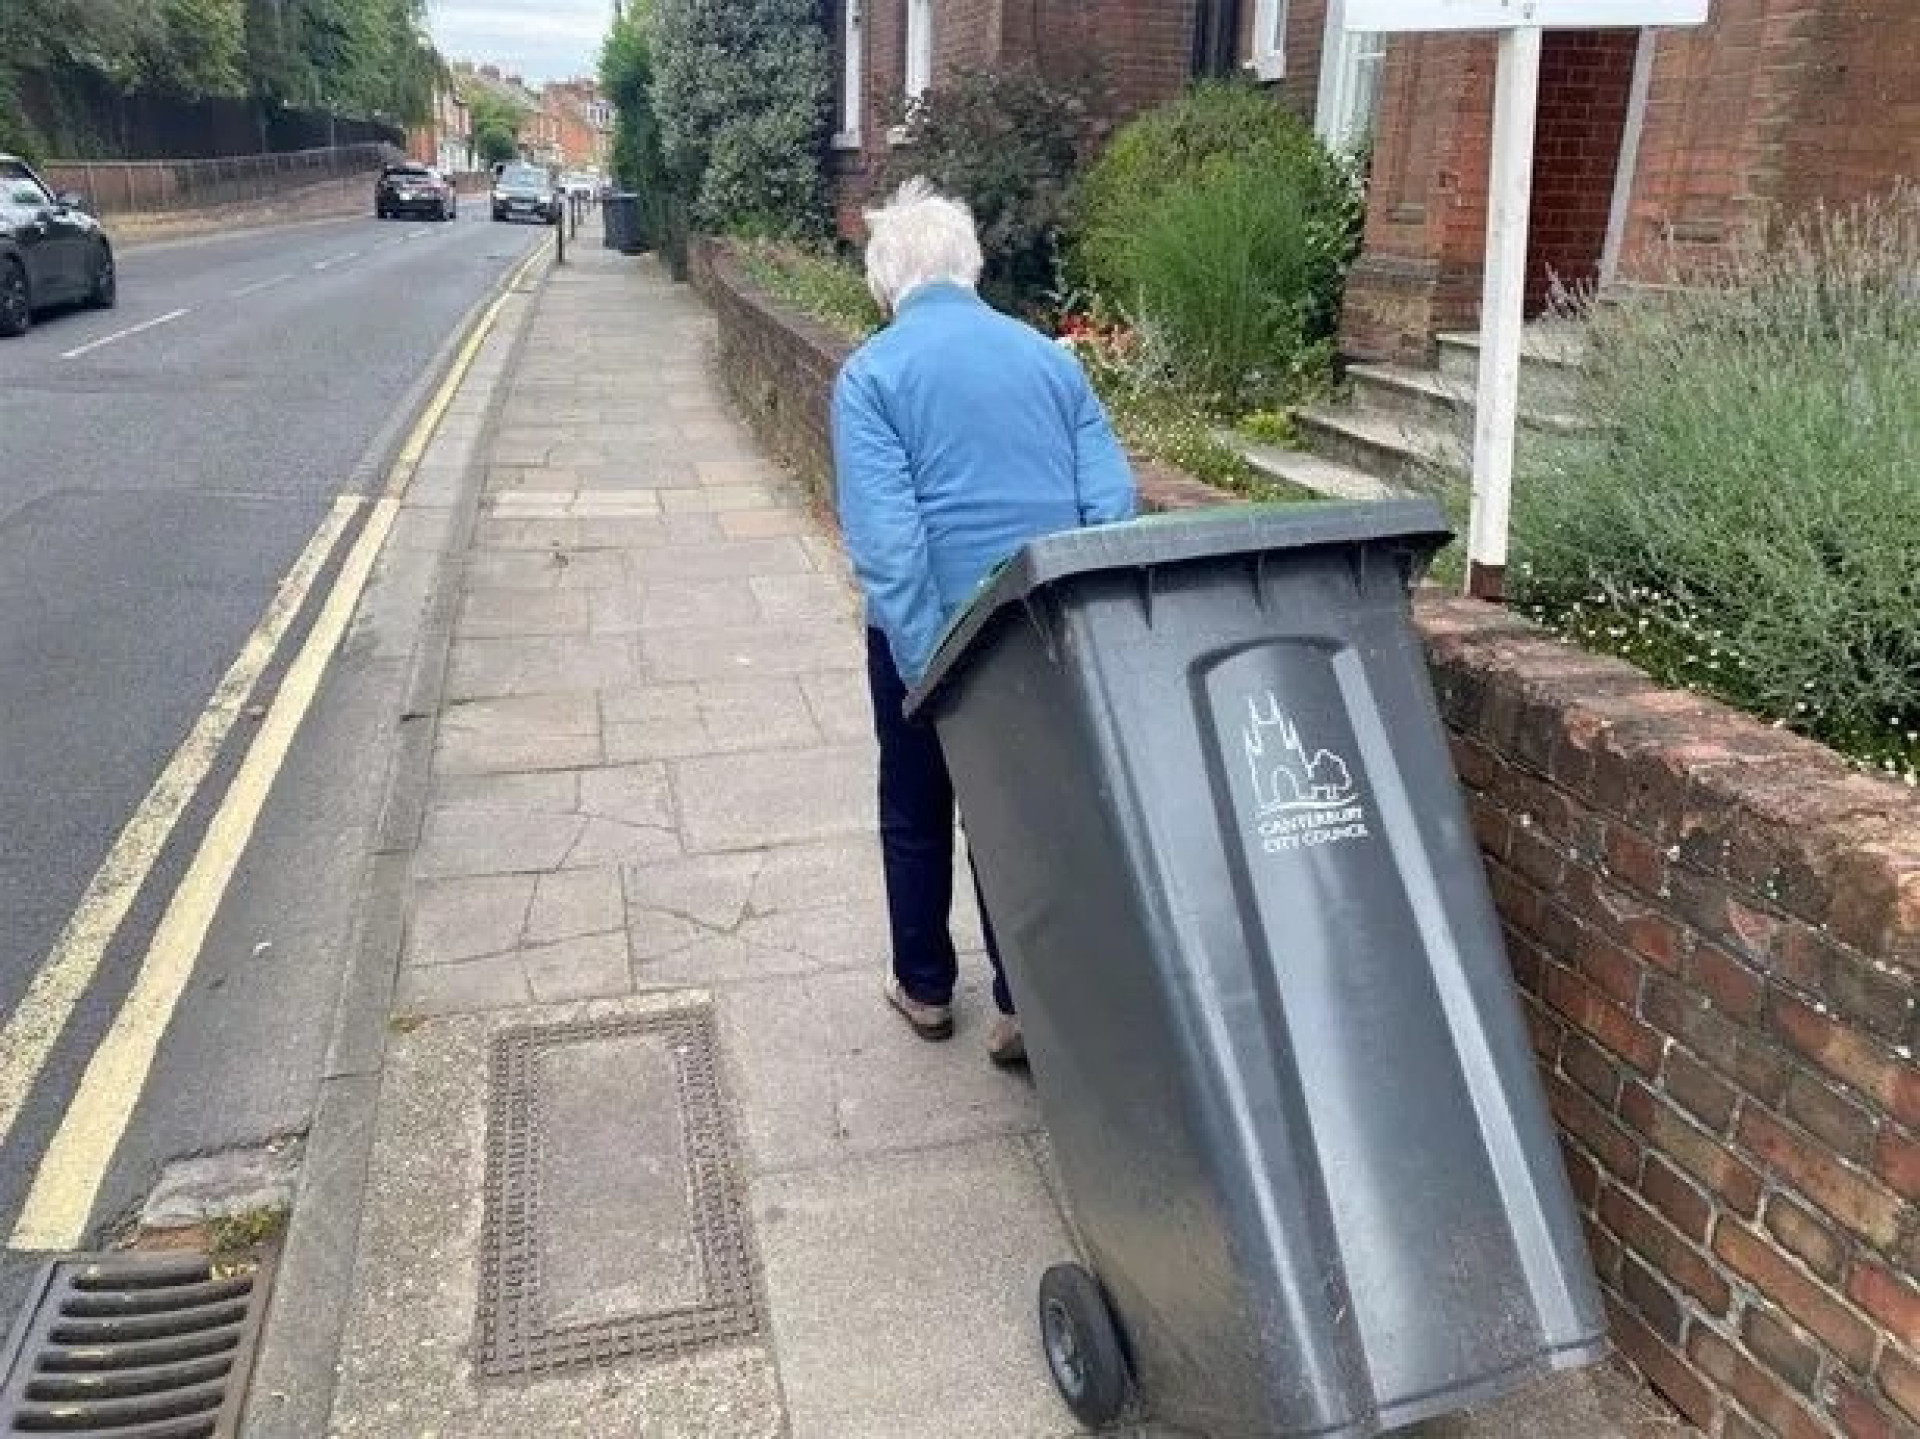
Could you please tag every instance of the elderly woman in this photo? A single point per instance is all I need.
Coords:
(958, 434)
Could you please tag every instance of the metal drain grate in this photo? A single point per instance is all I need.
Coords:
(137, 1346)
(519, 1335)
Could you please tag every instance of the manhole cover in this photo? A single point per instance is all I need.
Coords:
(120, 1344)
(614, 1227)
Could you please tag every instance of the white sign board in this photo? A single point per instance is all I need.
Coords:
(1418, 15)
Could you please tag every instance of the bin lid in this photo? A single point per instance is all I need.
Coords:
(1173, 539)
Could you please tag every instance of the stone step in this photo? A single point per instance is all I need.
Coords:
(1396, 450)
(1551, 353)
(1308, 471)
(1437, 399)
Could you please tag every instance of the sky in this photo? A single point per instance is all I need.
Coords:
(538, 39)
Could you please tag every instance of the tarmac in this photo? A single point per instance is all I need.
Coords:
(619, 1136)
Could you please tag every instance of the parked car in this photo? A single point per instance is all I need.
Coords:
(526, 192)
(52, 251)
(414, 189)
(579, 185)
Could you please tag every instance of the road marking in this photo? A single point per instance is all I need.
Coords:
(55, 1214)
(258, 286)
(34, 1028)
(68, 1180)
(75, 354)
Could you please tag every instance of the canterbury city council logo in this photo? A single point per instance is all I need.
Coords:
(1304, 799)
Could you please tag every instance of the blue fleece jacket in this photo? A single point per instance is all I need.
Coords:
(958, 435)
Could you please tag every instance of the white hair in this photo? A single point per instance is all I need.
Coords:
(920, 237)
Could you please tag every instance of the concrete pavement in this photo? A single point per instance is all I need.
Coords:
(649, 1155)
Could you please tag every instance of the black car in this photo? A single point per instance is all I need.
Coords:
(525, 192)
(414, 189)
(52, 251)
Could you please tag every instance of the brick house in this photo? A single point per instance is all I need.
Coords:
(584, 122)
(1647, 141)
(446, 140)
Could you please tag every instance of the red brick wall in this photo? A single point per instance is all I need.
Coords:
(1585, 78)
(1141, 50)
(966, 36)
(1419, 270)
(1716, 927)
(1770, 106)
(1299, 88)
(1856, 106)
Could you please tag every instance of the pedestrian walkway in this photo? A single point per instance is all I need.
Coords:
(651, 1157)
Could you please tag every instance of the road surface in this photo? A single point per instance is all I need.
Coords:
(162, 467)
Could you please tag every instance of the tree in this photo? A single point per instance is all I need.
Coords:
(496, 122)
(199, 47)
(627, 72)
(365, 58)
(743, 91)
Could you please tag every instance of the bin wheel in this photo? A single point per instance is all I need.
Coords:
(1082, 1345)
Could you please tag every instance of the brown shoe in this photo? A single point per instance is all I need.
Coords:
(929, 1021)
(1006, 1045)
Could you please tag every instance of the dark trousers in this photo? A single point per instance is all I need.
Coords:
(916, 843)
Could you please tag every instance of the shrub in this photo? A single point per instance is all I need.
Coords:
(742, 92)
(1746, 519)
(1009, 144)
(815, 284)
(1222, 221)
(626, 72)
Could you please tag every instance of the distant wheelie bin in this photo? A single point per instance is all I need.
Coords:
(1275, 1035)
(620, 222)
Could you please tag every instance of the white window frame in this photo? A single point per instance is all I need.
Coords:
(853, 32)
(919, 66)
(1346, 106)
(1269, 61)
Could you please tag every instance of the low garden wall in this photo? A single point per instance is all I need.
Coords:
(1715, 926)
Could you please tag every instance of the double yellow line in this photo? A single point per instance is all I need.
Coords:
(68, 1180)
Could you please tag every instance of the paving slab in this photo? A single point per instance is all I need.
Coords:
(792, 647)
(853, 1314)
(840, 703)
(748, 801)
(723, 559)
(468, 918)
(519, 734)
(490, 668)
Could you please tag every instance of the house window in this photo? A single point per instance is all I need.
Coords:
(852, 46)
(1350, 71)
(919, 47)
(1269, 60)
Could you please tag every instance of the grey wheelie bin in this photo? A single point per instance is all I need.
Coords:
(1269, 1015)
(620, 222)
